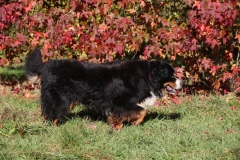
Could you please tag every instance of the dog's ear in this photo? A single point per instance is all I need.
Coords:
(156, 71)
(159, 72)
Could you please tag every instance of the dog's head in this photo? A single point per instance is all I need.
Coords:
(162, 77)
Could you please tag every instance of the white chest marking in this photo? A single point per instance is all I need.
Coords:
(148, 102)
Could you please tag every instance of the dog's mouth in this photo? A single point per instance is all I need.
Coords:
(170, 90)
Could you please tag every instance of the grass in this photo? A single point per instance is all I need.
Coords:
(12, 74)
(199, 128)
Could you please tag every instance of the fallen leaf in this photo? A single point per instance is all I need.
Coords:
(131, 10)
(233, 108)
(230, 131)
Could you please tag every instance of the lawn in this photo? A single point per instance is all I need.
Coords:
(199, 127)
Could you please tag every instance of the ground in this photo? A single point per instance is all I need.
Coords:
(193, 127)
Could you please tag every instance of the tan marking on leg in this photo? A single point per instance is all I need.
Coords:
(117, 123)
(139, 117)
(118, 126)
(135, 117)
(55, 122)
(72, 105)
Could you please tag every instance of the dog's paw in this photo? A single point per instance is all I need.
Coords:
(117, 126)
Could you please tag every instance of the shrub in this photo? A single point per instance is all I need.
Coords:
(200, 37)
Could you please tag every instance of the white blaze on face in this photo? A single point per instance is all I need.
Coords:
(149, 101)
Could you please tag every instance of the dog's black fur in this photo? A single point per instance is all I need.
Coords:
(113, 88)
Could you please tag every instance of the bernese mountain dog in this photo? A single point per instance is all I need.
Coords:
(119, 90)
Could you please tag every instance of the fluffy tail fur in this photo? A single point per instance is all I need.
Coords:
(33, 66)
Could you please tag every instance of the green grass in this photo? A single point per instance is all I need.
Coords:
(200, 128)
(12, 73)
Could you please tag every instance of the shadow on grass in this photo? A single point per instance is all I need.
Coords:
(162, 116)
(94, 116)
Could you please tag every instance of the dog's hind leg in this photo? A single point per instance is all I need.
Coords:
(54, 107)
(71, 106)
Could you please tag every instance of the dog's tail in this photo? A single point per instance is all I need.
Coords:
(33, 66)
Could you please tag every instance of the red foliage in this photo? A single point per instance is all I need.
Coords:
(104, 30)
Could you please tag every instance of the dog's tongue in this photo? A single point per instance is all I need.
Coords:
(171, 90)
